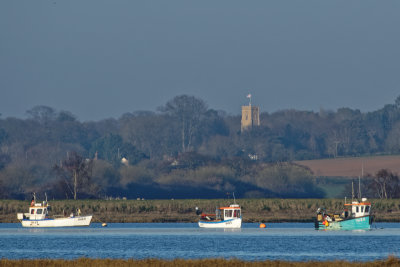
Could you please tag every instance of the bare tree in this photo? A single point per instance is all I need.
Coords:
(385, 184)
(76, 172)
(42, 114)
(188, 110)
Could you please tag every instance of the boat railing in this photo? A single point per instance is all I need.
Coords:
(59, 216)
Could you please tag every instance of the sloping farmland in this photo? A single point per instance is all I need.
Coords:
(352, 167)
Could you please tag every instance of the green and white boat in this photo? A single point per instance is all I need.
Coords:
(355, 216)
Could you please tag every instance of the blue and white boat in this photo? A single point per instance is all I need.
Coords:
(38, 216)
(355, 216)
(224, 217)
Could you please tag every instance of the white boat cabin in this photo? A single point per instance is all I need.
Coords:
(231, 212)
(360, 209)
(37, 211)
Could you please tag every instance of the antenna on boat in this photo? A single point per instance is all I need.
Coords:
(33, 201)
(234, 200)
(359, 180)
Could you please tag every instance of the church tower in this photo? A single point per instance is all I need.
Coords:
(250, 116)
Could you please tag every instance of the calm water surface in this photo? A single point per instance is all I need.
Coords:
(284, 241)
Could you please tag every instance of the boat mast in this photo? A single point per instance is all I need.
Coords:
(359, 180)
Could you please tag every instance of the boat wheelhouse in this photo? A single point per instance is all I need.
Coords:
(224, 217)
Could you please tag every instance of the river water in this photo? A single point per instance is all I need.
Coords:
(278, 241)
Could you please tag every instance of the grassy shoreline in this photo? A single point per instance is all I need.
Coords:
(183, 210)
(84, 262)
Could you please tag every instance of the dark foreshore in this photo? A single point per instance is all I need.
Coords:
(84, 262)
(183, 210)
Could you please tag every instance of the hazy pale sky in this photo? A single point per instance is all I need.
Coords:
(102, 58)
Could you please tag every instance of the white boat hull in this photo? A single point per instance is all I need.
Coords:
(58, 222)
(232, 223)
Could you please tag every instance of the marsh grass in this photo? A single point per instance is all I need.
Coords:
(183, 210)
(84, 262)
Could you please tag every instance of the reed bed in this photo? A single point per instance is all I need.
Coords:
(85, 262)
(183, 210)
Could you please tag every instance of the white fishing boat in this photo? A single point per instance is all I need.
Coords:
(38, 216)
(224, 217)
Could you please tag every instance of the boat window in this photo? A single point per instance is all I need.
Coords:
(238, 214)
(234, 213)
(367, 209)
(228, 213)
(32, 211)
(357, 209)
(362, 208)
(39, 211)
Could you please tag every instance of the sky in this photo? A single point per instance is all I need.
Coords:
(99, 59)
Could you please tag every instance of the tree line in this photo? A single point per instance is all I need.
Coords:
(184, 149)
